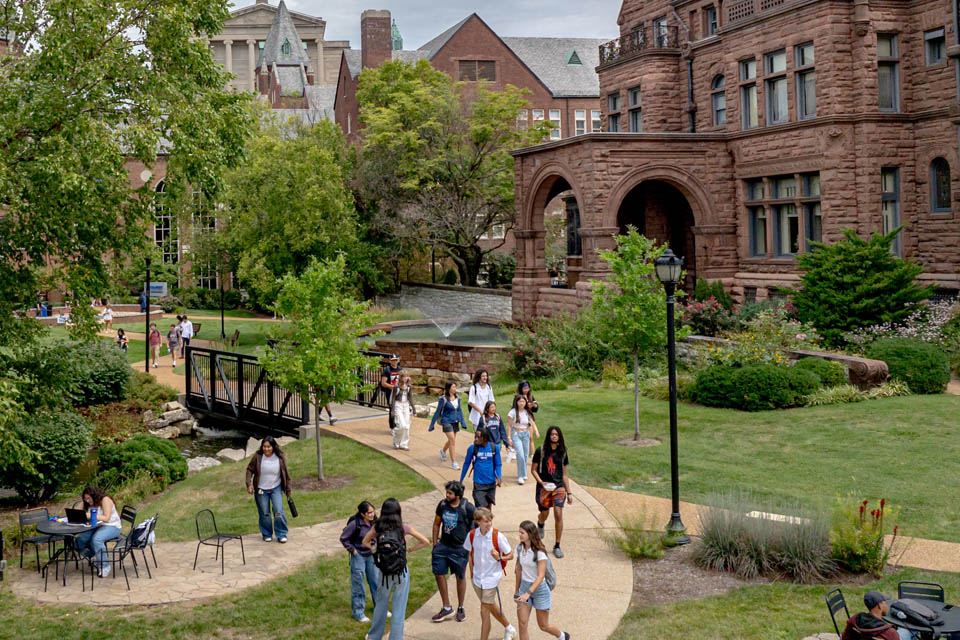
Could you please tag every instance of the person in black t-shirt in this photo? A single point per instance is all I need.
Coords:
(451, 525)
(389, 378)
(550, 471)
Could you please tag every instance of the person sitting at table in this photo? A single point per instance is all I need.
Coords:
(870, 624)
(93, 543)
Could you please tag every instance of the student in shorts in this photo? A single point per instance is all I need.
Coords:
(454, 519)
(532, 590)
(489, 552)
(550, 471)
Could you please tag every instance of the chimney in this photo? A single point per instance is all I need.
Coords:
(375, 38)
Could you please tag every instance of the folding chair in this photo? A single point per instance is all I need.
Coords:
(29, 518)
(208, 534)
(920, 590)
(836, 602)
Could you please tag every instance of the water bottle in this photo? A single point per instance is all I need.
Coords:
(93, 516)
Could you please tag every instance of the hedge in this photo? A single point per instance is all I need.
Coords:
(61, 441)
(119, 463)
(922, 365)
(756, 387)
(830, 373)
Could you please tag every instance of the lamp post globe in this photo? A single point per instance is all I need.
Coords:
(669, 269)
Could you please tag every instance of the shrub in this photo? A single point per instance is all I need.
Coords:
(715, 386)
(144, 389)
(60, 440)
(169, 304)
(796, 546)
(922, 365)
(857, 537)
(706, 318)
(830, 373)
(614, 374)
(659, 388)
(99, 373)
(704, 290)
(120, 463)
(41, 374)
(450, 277)
(500, 268)
(856, 283)
(755, 387)
(637, 537)
(848, 393)
(746, 312)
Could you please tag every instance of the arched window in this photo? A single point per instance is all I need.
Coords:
(164, 233)
(940, 186)
(285, 47)
(719, 97)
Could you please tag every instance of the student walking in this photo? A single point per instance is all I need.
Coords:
(361, 559)
(532, 590)
(154, 339)
(268, 477)
(453, 521)
(484, 456)
(107, 316)
(520, 422)
(173, 342)
(550, 471)
(450, 414)
(493, 423)
(122, 340)
(523, 389)
(390, 532)
(489, 553)
(480, 394)
(186, 334)
(389, 378)
(402, 411)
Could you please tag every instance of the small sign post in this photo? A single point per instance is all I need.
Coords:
(157, 290)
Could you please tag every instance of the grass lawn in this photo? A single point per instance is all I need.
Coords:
(228, 313)
(135, 348)
(901, 449)
(781, 611)
(222, 489)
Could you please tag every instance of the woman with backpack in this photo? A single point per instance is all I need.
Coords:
(493, 423)
(390, 557)
(402, 409)
(480, 394)
(361, 559)
(450, 414)
(533, 591)
(485, 458)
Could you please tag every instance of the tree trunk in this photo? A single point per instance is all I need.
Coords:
(636, 395)
(316, 425)
(468, 261)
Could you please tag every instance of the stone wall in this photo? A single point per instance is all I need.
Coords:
(453, 303)
(432, 364)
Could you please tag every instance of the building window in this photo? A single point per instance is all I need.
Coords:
(776, 86)
(806, 82)
(710, 20)
(811, 185)
(719, 97)
(784, 187)
(613, 102)
(555, 133)
(890, 203)
(813, 220)
(936, 45)
(537, 115)
(748, 93)
(207, 277)
(636, 121)
(888, 72)
(596, 123)
(613, 122)
(758, 231)
(940, 186)
(523, 119)
(285, 47)
(477, 70)
(788, 229)
(613, 108)
(349, 124)
(660, 33)
(580, 121)
(755, 189)
(164, 231)
(637, 36)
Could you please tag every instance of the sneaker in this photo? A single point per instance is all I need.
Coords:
(104, 571)
(443, 455)
(540, 530)
(509, 633)
(443, 614)
(333, 420)
(364, 619)
(556, 551)
(268, 539)
(454, 465)
(519, 480)
(566, 636)
(155, 365)
(282, 540)
(461, 614)
(405, 448)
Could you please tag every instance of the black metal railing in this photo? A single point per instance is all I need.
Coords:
(234, 386)
(642, 39)
(369, 392)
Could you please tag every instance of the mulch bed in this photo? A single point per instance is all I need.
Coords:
(642, 442)
(310, 483)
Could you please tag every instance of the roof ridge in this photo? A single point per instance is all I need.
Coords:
(283, 45)
(433, 46)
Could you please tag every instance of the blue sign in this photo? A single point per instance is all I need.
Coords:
(158, 289)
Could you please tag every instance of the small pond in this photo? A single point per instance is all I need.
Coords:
(472, 333)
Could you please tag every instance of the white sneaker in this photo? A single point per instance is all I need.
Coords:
(389, 614)
(155, 365)
(519, 480)
(174, 364)
(509, 633)
(443, 455)
(282, 540)
(454, 465)
(364, 619)
(333, 420)
(105, 571)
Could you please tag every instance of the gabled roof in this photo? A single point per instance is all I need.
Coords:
(283, 46)
(548, 59)
(431, 48)
(265, 7)
(354, 59)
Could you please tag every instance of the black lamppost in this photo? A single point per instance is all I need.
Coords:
(146, 346)
(669, 269)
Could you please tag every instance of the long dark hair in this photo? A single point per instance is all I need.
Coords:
(478, 375)
(362, 508)
(96, 494)
(548, 444)
(273, 443)
(390, 518)
(526, 407)
(536, 542)
(529, 394)
(486, 409)
(446, 389)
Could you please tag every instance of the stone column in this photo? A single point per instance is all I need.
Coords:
(228, 54)
(594, 240)
(320, 73)
(531, 273)
(251, 63)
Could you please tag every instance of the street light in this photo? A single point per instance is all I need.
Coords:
(146, 346)
(669, 269)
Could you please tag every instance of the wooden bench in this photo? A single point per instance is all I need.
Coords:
(196, 329)
(235, 340)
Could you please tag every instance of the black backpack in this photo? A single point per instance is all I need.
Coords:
(914, 612)
(391, 554)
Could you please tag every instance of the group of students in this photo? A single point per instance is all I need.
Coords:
(178, 339)
(463, 535)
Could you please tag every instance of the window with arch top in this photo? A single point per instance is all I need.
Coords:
(285, 47)
(719, 98)
(940, 186)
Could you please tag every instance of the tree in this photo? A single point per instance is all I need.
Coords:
(87, 85)
(435, 158)
(856, 283)
(633, 299)
(14, 453)
(318, 357)
(290, 201)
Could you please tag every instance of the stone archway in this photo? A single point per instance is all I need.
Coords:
(660, 211)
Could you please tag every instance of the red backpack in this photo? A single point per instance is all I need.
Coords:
(496, 545)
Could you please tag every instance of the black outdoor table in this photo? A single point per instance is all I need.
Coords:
(69, 533)
(950, 614)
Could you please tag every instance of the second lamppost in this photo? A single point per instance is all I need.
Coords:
(669, 269)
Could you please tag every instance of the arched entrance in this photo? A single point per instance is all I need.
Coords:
(556, 211)
(661, 212)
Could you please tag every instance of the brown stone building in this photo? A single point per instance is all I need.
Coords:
(738, 130)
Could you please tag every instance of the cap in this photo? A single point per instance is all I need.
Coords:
(872, 598)
(394, 357)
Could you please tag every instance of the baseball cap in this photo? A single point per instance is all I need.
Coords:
(394, 357)
(872, 598)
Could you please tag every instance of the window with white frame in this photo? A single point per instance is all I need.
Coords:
(523, 119)
(719, 99)
(555, 132)
(806, 82)
(580, 121)
(537, 116)
(660, 33)
(890, 203)
(748, 94)
(888, 72)
(164, 227)
(596, 123)
(775, 72)
(936, 46)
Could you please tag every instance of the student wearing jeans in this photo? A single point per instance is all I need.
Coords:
(532, 589)
(361, 559)
(521, 421)
(93, 543)
(268, 479)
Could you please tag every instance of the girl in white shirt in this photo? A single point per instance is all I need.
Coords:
(520, 422)
(480, 394)
(401, 406)
(532, 589)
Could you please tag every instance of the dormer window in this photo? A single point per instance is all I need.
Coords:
(285, 47)
(574, 59)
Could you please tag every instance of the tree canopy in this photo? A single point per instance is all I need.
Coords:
(435, 157)
(85, 86)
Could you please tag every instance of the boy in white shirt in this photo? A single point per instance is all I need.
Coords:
(486, 568)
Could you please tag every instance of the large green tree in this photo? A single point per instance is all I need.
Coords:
(289, 202)
(435, 157)
(87, 85)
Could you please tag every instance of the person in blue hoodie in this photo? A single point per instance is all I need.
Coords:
(450, 414)
(485, 458)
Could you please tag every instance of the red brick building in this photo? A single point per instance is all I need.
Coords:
(740, 129)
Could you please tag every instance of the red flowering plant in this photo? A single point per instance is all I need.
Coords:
(531, 356)
(858, 536)
(707, 318)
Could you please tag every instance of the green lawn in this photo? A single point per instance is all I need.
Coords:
(222, 489)
(901, 449)
(228, 313)
(135, 348)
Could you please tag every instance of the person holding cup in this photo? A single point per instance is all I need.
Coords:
(100, 509)
(549, 469)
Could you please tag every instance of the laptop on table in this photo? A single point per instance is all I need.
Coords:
(77, 516)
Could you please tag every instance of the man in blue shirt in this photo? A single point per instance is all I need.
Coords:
(485, 458)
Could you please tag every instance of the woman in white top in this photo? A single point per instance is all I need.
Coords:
(520, 422)
(401, 407)
(268, 479)
(93, 543)
(532, 589)
(480, 394)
